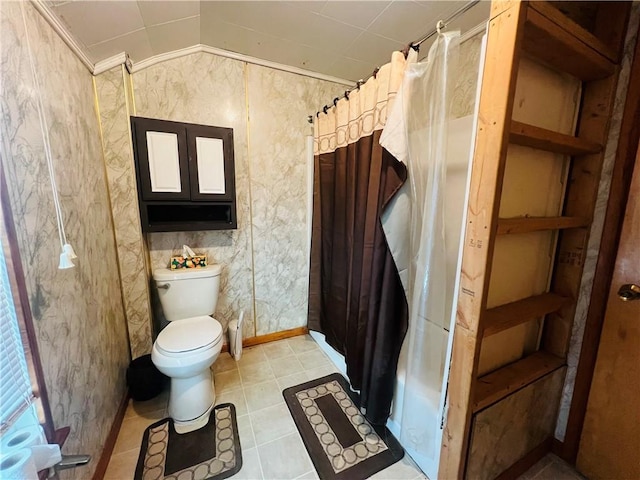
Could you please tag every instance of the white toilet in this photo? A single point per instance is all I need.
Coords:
(187, 347)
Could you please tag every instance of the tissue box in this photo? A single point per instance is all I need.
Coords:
(190, 262)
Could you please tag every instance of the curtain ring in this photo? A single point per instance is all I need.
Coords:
(359, 83)
(440, 26)
(324, 109)
(375, 72)
(335, 101)
(346, 94)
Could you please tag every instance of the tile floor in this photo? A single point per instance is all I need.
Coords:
(271, 445)
(551, 467)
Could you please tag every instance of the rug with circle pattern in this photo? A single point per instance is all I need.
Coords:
(340, 441)
(211, 452)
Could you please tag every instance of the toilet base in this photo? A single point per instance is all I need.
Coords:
(191, 401)
(186, 427)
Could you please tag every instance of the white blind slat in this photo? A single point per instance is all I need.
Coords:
(15, 386)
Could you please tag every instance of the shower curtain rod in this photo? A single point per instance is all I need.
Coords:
(444, 23)
(415, 45)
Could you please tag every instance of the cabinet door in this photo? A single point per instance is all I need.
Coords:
(163, 162)
(211, 163)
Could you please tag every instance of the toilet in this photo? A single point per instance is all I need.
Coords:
(187, 347)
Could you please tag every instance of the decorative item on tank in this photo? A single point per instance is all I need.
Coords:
(188, 259)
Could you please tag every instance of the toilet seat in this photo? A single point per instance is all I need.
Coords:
(189, 335)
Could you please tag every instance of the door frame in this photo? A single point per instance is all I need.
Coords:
(616, 205)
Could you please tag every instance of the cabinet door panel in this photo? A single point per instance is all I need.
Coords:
(163, 161)
(211, 163)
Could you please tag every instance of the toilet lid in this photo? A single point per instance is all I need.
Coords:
(189, 334)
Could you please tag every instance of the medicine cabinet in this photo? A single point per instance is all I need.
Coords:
(185, 174)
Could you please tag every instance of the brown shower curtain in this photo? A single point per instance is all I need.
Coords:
(356, 298)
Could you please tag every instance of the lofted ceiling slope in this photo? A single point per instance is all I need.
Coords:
(344, 39)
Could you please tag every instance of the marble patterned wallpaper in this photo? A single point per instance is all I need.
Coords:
(264, 260)
(595, 237)
(78, 313)
(114, 105)
(463, 99)
(279, 103)
(206, 89)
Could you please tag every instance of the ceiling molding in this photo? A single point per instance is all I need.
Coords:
(64, 34)
(121, 58)
(163, 57)
(108, 63)
(472, 32)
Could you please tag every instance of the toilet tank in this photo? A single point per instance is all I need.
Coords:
(188, 292)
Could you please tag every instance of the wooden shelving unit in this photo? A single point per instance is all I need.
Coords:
(562, 48)
(539, 32)
(507, 316)
(510, 226)
(543, 139)
(497, 385)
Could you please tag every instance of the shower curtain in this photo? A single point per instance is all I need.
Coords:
(356, 297)
(416, 134)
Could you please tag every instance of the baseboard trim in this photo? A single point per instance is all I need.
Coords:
(526, 462)
(270, 337)
(110, 443)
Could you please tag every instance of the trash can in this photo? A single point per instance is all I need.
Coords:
(143, 379)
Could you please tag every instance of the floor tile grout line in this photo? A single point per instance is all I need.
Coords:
(273, 439)
(306, 473)
(242, 386)
(280, 438)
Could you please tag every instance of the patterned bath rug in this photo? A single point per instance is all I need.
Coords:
(340, 441)
(211, 452)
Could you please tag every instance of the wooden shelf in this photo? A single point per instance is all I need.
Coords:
(512, 226)
(556, 16)
(563, 46)
(543, 139)
(506, 316)
(497, 385)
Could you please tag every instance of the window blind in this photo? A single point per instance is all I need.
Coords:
(15, 386)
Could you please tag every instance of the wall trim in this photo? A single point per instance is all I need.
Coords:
(472, 32)
(110, 442)
(270, 337)
(163, 57)
(108, 63)
(61, 30)
(121, 58)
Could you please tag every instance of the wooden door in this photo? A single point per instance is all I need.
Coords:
(610, 442)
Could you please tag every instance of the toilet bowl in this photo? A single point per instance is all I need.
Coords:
(186, 358)
(187, 347)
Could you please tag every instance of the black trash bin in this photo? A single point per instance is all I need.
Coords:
(143, 379)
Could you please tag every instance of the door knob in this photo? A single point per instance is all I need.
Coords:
(628, 292)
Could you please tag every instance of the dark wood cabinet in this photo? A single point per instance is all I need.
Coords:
(185, 174)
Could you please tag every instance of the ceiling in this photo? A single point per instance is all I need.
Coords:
(344, 39)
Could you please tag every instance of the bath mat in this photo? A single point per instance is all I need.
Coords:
(211, 452)
(340, 441)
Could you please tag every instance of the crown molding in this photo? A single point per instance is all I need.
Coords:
(64, 34)
(108, 63)
(163, 57)
(472, 32)
(122, 58)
